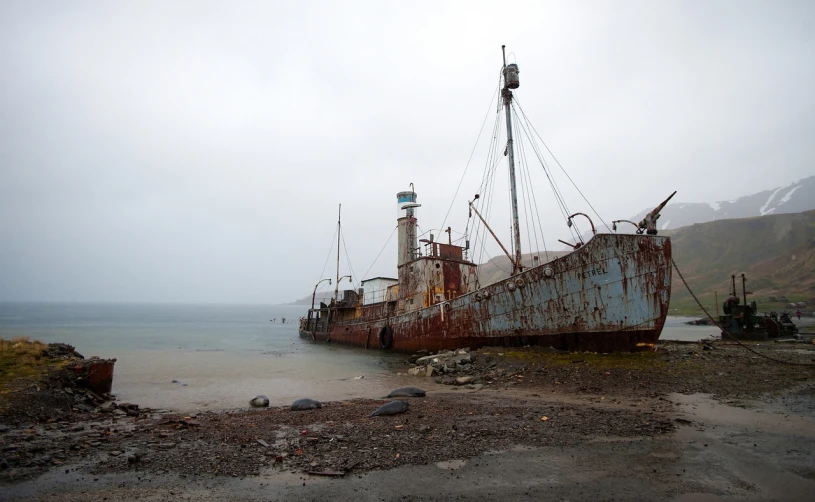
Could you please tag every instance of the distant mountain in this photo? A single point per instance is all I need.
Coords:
(322, 296)
(775, 252)
(793, 198)
(500, 267)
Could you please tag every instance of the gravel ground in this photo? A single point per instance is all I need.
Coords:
(530, 397)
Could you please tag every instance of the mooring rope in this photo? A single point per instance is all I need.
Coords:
(724, 331)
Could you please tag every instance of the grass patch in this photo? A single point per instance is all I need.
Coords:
(20, 358)
(619, 360)
(685, 305)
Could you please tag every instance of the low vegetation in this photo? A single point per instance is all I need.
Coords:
(775, 252)
(20, 358)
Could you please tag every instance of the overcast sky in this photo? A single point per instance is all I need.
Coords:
(197, 151)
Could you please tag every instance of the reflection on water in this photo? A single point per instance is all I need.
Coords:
(220, 356)
(676, 329)
(230, 379)
(188, 357)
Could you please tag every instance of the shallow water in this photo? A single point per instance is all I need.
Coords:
(194, 357)
(676, 329)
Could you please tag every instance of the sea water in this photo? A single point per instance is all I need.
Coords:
(194, 357)
(215, 357)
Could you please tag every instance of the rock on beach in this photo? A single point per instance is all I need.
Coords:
(445, 362)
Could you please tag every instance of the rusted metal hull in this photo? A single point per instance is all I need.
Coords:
(95, 374)
(612, 294)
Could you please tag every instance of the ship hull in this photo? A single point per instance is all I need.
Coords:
(612, 294)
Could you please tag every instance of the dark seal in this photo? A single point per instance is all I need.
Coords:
(305, 404)
(392, 408)
(259, 402)
(407, 392)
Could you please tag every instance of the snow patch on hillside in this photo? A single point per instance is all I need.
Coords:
(715, 206)
(763, 209)
(787, 197)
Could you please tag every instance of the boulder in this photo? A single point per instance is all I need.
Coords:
(465, 359)
(417, 371)
(464, 380)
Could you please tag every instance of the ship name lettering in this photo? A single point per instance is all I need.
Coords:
(593, 272)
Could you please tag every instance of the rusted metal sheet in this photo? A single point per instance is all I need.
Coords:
(449, 251)
(95, 374)
(611, 294)
(451, 276)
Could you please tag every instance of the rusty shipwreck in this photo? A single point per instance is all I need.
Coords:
(610, 293)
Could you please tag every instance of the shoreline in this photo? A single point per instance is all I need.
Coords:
(640, 412)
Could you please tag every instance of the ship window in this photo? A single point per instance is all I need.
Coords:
(411, 301)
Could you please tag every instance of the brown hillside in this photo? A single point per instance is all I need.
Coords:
(775, 252)
(500, 267)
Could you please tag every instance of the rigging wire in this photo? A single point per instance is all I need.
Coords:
(564, 209)
(525, 187)
(348, 261)
(486, 116)
(330, 249)
(510, 212)
(562, 169)
(552, 182)
(490, 184)
(479, 231)
(495, 263)
(380, 253)
(535, 211)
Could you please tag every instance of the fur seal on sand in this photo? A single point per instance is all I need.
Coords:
(305, 404)
(392, 408)
(407, 392)
(259, 402)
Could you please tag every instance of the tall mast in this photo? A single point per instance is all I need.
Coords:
(339, 236)
(511, 82)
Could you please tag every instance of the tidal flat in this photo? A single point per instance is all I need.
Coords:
(689, 421)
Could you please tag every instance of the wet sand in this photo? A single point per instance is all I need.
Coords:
(684, 424)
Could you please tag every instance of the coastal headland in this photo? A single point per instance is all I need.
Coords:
(688, 421)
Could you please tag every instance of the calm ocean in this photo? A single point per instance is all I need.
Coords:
(220, 356)
(194, 357)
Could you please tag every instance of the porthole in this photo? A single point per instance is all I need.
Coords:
(520, 283)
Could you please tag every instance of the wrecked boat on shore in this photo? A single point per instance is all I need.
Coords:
(610, 293)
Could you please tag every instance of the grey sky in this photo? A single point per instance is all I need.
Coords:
(197, 151)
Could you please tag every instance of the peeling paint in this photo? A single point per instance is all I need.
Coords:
(611, 294)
